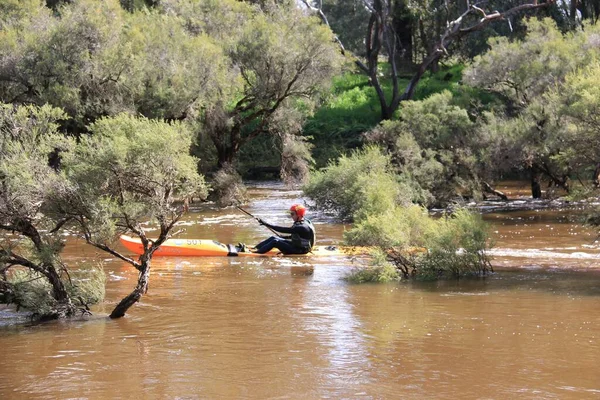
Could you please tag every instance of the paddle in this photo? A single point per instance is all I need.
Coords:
(247, 213)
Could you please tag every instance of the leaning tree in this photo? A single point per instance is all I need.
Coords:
(130, 176)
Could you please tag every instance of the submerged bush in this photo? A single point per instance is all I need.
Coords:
(456, 248)
(380, 271)
(32, 291)
(423, 247)
(364, 188)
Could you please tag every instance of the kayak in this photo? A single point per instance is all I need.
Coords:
(212, 248)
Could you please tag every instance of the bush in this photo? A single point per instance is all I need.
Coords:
(398, 227)
(32, 291)
(456, 248)
(228, 188)
(452, 247)
(380, 271)
(358, 185)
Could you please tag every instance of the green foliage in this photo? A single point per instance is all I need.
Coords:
(172, 76)
(228, 188)
(548, 80)
(133, 169)
(337, 126)
(456, 247)
(14, 12)
(28, 135)
(87, 285)
(400, 227)
(446, 79)
(352, 108)
(357, 185)
(265, 73)
(380, 271)
(32, 291)
(433, 148)
(361, 187)
(523, 70)
(67, 60)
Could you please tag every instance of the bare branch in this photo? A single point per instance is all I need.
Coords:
(323, 17)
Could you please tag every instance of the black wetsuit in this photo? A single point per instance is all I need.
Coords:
(300, 241)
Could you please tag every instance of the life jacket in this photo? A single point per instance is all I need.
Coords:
(302, 243)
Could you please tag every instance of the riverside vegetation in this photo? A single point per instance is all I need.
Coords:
(107, 122)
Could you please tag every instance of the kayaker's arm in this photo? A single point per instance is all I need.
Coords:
(280, 229)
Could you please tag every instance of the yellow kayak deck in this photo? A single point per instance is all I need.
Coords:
(212, 248)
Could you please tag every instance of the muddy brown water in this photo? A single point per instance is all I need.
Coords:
(227, 328)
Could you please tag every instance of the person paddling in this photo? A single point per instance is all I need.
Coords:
(301, 239)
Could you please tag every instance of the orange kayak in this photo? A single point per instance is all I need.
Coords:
(212, 248)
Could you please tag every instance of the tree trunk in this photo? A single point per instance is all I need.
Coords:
(536, 188)
(65, 306)
(403, 27)
(596, 177)
(141, 288)
(489, 189)
(225, 156)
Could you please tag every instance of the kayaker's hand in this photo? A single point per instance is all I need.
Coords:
(260, 221)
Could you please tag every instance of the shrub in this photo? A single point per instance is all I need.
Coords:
(452, 247)
(358, 185)
(456, 248)
(31, 291)
(380, 271)
(228, 188)
(399, 227)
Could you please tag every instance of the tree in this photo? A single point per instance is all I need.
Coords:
(170, 76)
(32, 237)
(73, 61)
(127, 172)
(456, 22)
(434, 149)
(93, 59)
(275, 53)
(535, 130)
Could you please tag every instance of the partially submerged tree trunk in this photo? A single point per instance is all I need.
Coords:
(140, 289)
(487, 188)
(536, 188)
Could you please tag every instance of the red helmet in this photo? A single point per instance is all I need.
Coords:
(299, 209)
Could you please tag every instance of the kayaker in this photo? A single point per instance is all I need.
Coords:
(301, 239)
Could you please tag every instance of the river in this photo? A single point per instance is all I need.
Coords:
(228, 328)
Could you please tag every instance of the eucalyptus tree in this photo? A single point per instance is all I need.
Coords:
(129, 177)
(452, 22)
